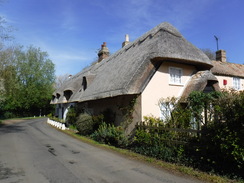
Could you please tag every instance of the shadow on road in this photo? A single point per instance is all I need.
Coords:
(10, 129)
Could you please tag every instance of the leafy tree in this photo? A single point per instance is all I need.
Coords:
(28, 82)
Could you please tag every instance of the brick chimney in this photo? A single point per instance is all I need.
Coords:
(103, 53)
(221, 55)
(126, 40)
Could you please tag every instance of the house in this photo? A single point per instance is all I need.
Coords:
(159, 64)
(229, 75)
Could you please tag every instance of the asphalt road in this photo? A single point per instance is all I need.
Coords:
(34, 152)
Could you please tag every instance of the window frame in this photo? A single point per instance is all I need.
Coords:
(171, 73)
(236, 81)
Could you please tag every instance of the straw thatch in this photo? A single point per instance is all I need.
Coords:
(199, 81)
(227, 69)
(129, 70)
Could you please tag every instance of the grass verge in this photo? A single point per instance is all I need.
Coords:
(172, 168)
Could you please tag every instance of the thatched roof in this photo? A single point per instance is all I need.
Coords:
(129, 70)
(228, 69)
(199, 81)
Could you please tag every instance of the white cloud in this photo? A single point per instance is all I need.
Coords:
(68, 62)
(139, 14)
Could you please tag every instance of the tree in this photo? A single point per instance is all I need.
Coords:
(61, 79)
(6, 54)
(211, 54)
(30, 88)
(4, 32)
(26, 77)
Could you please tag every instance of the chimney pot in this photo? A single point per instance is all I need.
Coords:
(127, 37)
(104, 44)
(221, 55)
(126, 40)
(103, 53)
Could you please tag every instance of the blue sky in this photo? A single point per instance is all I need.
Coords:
(72, 31)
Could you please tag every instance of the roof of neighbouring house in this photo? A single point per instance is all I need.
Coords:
(129, 70)
(227, 69)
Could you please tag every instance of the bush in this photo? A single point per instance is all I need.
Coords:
(158, 146)
(97, 121)
(109, 134)
(71, 116)
(221, 146)
(9, 115)
(85, 124)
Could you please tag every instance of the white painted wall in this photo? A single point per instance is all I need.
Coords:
(62, 110)
(229, 80)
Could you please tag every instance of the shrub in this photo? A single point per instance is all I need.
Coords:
(175, 113)
(97, 121)
(84, 124)
(8, 115)
(158, 146)
(71, 116)
(109, 134)
(220, 148)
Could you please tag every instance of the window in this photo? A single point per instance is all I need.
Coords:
(84, 83)
(236, 83)
(175, 75)
(166, 109)
(58, 95)
(209, 87)
(53, 97)
(67, 94)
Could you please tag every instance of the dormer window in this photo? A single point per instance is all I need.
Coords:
(58, 95)
(209, 87)
(67, 94)
(84, 83)
(53, 97)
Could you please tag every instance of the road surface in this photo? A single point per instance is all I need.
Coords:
(31, 151)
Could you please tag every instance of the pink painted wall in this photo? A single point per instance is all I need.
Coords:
(160, 87)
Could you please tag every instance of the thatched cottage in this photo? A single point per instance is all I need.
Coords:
(159, 64)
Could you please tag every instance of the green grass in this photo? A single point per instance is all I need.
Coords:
(173, 168)
(72, 127)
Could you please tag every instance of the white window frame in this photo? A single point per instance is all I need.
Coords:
(173, 75)
(236, 83)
